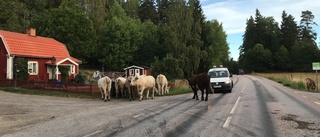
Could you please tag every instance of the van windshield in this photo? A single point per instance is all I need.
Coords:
(218, 73)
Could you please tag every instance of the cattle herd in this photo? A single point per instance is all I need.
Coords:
(137, 85)
(134, 86)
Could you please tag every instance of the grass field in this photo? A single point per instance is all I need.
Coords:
(294, 80)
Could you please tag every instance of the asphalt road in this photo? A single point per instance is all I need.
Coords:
(256, 107)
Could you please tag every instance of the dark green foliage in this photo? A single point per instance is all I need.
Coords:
(21, 68)
(168, 66)
(299, 48)
(80, 78)
(147, 11)
(13, 15)
(69, 26)
(64, 70)
(119, 41)
(109, 33)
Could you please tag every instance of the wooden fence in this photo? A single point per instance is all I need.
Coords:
(52, 85)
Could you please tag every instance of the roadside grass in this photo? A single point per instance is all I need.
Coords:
(173, 91)
(293, 80)
(180, 90)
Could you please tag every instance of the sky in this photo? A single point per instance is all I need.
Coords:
(233, 15)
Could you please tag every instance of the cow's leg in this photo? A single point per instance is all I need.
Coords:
(202, 94)
(108, 92)
(101, 90)
(153, 92)
(159, 88)
(129, 92)
(141, 93)
(105, 95)
(147, 94)
(194, 93)
(207, 92)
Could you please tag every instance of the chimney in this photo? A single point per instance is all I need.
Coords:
(31, 32)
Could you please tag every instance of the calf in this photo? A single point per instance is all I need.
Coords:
(120, 85)
(310, 84)
(162, 83)
(144, 83)
(200, 81)
(104, 85)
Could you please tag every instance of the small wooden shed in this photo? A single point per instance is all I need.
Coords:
(137, 70)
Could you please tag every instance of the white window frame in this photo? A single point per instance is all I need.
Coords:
(131, 72)
(33, 67)
(72, 69)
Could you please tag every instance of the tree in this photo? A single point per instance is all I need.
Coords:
(289, 31)
(69, 26)
(248, 37)
(306, 26)
(149, 47)
(13, 16)
(282, 59)
(216, 44)
(131, 8)
(147, 11)
(120, 39)
(260, 58)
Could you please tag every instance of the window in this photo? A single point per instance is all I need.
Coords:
(33, 68)
(131, 72)
(72, 69)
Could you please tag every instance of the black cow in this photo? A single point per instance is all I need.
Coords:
(200, 81)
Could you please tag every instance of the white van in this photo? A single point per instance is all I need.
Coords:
(220, 79)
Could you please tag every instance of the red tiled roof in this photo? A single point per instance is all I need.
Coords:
(35, 46)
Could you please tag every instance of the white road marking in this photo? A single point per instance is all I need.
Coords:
(92, 134)
(304, 96)
(317, 102)
(138, 115)
(227, 122)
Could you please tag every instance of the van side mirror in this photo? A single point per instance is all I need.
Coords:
(230, 74)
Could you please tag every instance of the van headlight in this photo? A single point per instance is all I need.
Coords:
(227, 82)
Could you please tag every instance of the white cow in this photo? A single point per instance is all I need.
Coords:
(120, 85)
(142, 83)
(104, 85)
(162, 83)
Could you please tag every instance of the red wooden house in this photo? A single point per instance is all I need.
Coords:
(137, 71)
(44, 56)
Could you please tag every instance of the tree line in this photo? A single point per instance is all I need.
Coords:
(268, 46)
(172, 37)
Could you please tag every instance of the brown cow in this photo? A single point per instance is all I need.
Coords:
(200, 81)
(310, 84)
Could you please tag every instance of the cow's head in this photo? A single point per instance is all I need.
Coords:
(134, 81)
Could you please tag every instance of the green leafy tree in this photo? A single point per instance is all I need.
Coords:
(162, 8)
(131, 8)
(282, 59)
(13, 16)
(260, 58)
(216, 44)
(120, 39)
(149, 47)
(147, 11)
(69, 26)
(168, 66)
